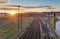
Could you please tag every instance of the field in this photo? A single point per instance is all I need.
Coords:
(9, 27)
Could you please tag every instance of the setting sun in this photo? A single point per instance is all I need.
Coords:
(12, 12)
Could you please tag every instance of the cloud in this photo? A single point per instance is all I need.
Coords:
(23, 9)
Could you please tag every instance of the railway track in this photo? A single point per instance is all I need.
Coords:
(37, 30)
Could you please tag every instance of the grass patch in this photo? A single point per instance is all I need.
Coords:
(25, 21)
(9, 29)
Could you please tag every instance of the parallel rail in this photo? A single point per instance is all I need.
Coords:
(37, 30)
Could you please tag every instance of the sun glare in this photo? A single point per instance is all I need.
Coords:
(12, 13)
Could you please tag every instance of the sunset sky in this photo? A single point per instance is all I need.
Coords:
(53, 3)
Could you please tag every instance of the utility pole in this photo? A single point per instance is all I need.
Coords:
(54, 17)
(18, 20)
